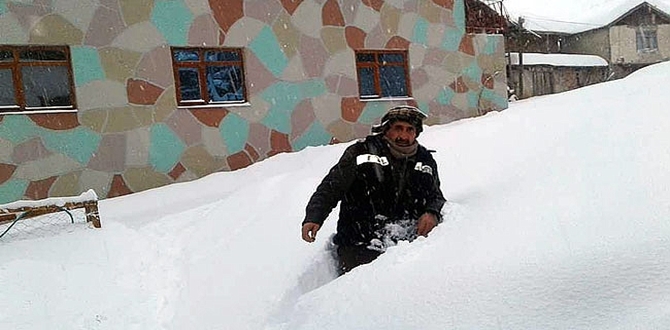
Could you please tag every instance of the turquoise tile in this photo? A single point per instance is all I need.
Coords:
(284, 97)
(445, 96)
(79, 144)
(173, 19)
(420, 34)
(18, 128)
(316, 135)
(234, 132)
(3, 7)
(268, 50)
(474, 72)
(473, 99)
(459, 15)
(452, 39)
(12, 190)
(497, 99)
(424, 107)
(87, 66)
(166, 148)
(492, 43)
(372, 112)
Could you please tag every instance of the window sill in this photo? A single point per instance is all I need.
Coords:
(214, 106)
(37, 112)
(386, 99)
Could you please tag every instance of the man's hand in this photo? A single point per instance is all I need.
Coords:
(309, 230)
(427, 222)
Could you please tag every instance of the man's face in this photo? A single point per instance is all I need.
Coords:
(402, 133)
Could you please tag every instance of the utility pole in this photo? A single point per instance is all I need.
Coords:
(522, 44)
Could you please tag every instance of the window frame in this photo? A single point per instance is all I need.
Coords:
(15, 66)
(201, 66)
(376, 65)
(646, 39)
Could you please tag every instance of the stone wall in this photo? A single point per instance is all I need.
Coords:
(128, 134)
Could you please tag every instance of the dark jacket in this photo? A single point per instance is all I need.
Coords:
(376, 190)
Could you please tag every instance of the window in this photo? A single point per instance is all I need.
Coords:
(208, 76)
(382, 73)
(647, 40)
(36, 78)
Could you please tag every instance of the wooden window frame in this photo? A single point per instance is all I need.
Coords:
(377, 73)
(17, 78)
(201, 66)
(643, 39)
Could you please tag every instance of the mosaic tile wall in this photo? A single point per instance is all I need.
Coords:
(128, 134)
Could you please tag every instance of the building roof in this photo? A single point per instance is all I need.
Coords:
(568, 60)
(575, 16)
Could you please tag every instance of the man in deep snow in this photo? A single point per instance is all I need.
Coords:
(389, 188)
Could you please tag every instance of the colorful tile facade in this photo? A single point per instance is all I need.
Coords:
(129, 135)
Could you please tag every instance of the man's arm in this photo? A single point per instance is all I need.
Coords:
(329, 192)
(432, 214)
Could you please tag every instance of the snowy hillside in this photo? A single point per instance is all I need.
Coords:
(558, 219)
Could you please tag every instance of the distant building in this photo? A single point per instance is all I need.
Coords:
(639, 35)
(124, 96)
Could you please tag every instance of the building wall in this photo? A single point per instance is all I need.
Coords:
(128, 134)
(624, 46)
(595, 42)
(546, 79)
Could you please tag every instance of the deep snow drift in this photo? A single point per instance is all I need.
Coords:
(558, 219)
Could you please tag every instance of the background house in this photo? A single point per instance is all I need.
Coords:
(628, 34)
(123, 96)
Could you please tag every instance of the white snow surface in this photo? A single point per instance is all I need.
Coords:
(557, 219)
(571, 60)
(573, 16)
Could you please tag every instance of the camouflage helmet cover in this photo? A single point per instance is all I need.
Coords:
(406, 113)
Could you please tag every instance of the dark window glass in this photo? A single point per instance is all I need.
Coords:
(367, 81)
(6, 55)
(392, 81)
(365, 57)
(226, 56)
(225, 83)
(186, 56)
(382, 73)
(46, 86)
(189, 84)
(42, 55)
(391, 58)
(6, 88)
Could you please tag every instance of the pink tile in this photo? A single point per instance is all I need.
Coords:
(156, 67)
(185, 126)
(313, 55)
(29, 151)
(106, 25)
(203, 31)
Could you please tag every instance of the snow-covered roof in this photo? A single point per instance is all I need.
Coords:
(574, 16)
(571, 60)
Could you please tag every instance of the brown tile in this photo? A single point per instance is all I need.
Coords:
(467, 45)
(280, 142)
(352, 108)
(488, 81)
(119, 187)
(252, 152)
(239, 160)
(142, 92)
(459, 86)
(331, 14)
(209, 117)
(177, 171)
(56, 121)
(40, 189)
(226, 13)
(449, 4)
(6, 171)
(397, 43)
(291, 5)
(355, 37)
(374, 4)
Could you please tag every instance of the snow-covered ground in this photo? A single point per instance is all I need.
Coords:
(558, 219)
